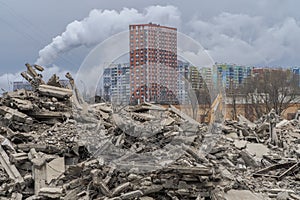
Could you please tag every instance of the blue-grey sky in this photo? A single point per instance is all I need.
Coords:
(259, 33)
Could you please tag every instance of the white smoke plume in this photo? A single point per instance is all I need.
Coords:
(100, 24)
(228, 37)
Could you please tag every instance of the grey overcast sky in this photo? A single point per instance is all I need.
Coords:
(246, 32)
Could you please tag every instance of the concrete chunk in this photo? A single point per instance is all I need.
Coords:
(240, 144)
(10, 169)
(257, 149)
(15, 115)
(132, 195)
(248, 159)
(121, 188)
(50, 192)
(57, 92)
(242, 194)
(183, 115)
(54, 169)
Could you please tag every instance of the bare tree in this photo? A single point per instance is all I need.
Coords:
(271, 88)
(204, 100)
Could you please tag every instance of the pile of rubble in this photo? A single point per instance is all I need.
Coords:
(55, 146)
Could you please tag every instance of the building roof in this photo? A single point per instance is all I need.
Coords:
(154, 25)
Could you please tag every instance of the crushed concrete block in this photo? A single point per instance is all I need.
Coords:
(242, 194)
(50, 192)
(10, 169)
(132, 195)
(257, 149)
(15, 115)
(54, 169)
(53, 91)
(240, 144)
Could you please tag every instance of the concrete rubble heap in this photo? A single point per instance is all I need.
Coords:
(47, 150)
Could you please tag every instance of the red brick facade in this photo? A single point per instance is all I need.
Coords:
(153, 62)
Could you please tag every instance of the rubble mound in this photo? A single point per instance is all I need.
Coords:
(53, 145)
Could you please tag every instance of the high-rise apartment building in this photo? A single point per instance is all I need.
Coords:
(153, 63)
(233, 75)
(115, 83)
(296, 71)
(18, 85)
(192, 78)
(183, 82)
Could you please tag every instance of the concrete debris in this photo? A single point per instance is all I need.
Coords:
(10, 169)
(259, 150)
(51, 193)
(55, 169)
(53, 91)
(49, 150)
(14, 115)
(240, 144)
(38, 67)
(242, 194)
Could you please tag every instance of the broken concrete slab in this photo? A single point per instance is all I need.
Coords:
(10, 169)
(183, 115)
(16, 196)
(118, 190)
(282, 123)
(240, 144)
(232, 135)
(146, 198)
(242, 194)
(49, 192)
(18, 158)
(168, 121)
(15, 115)
(248, 159)
(21, 104)
(201, 171)
(244, 120)
(257, 149)
(54, 169)
(53, 91)
(39, 176)
(132, 194)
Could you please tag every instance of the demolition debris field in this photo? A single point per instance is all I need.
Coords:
(55, 146)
